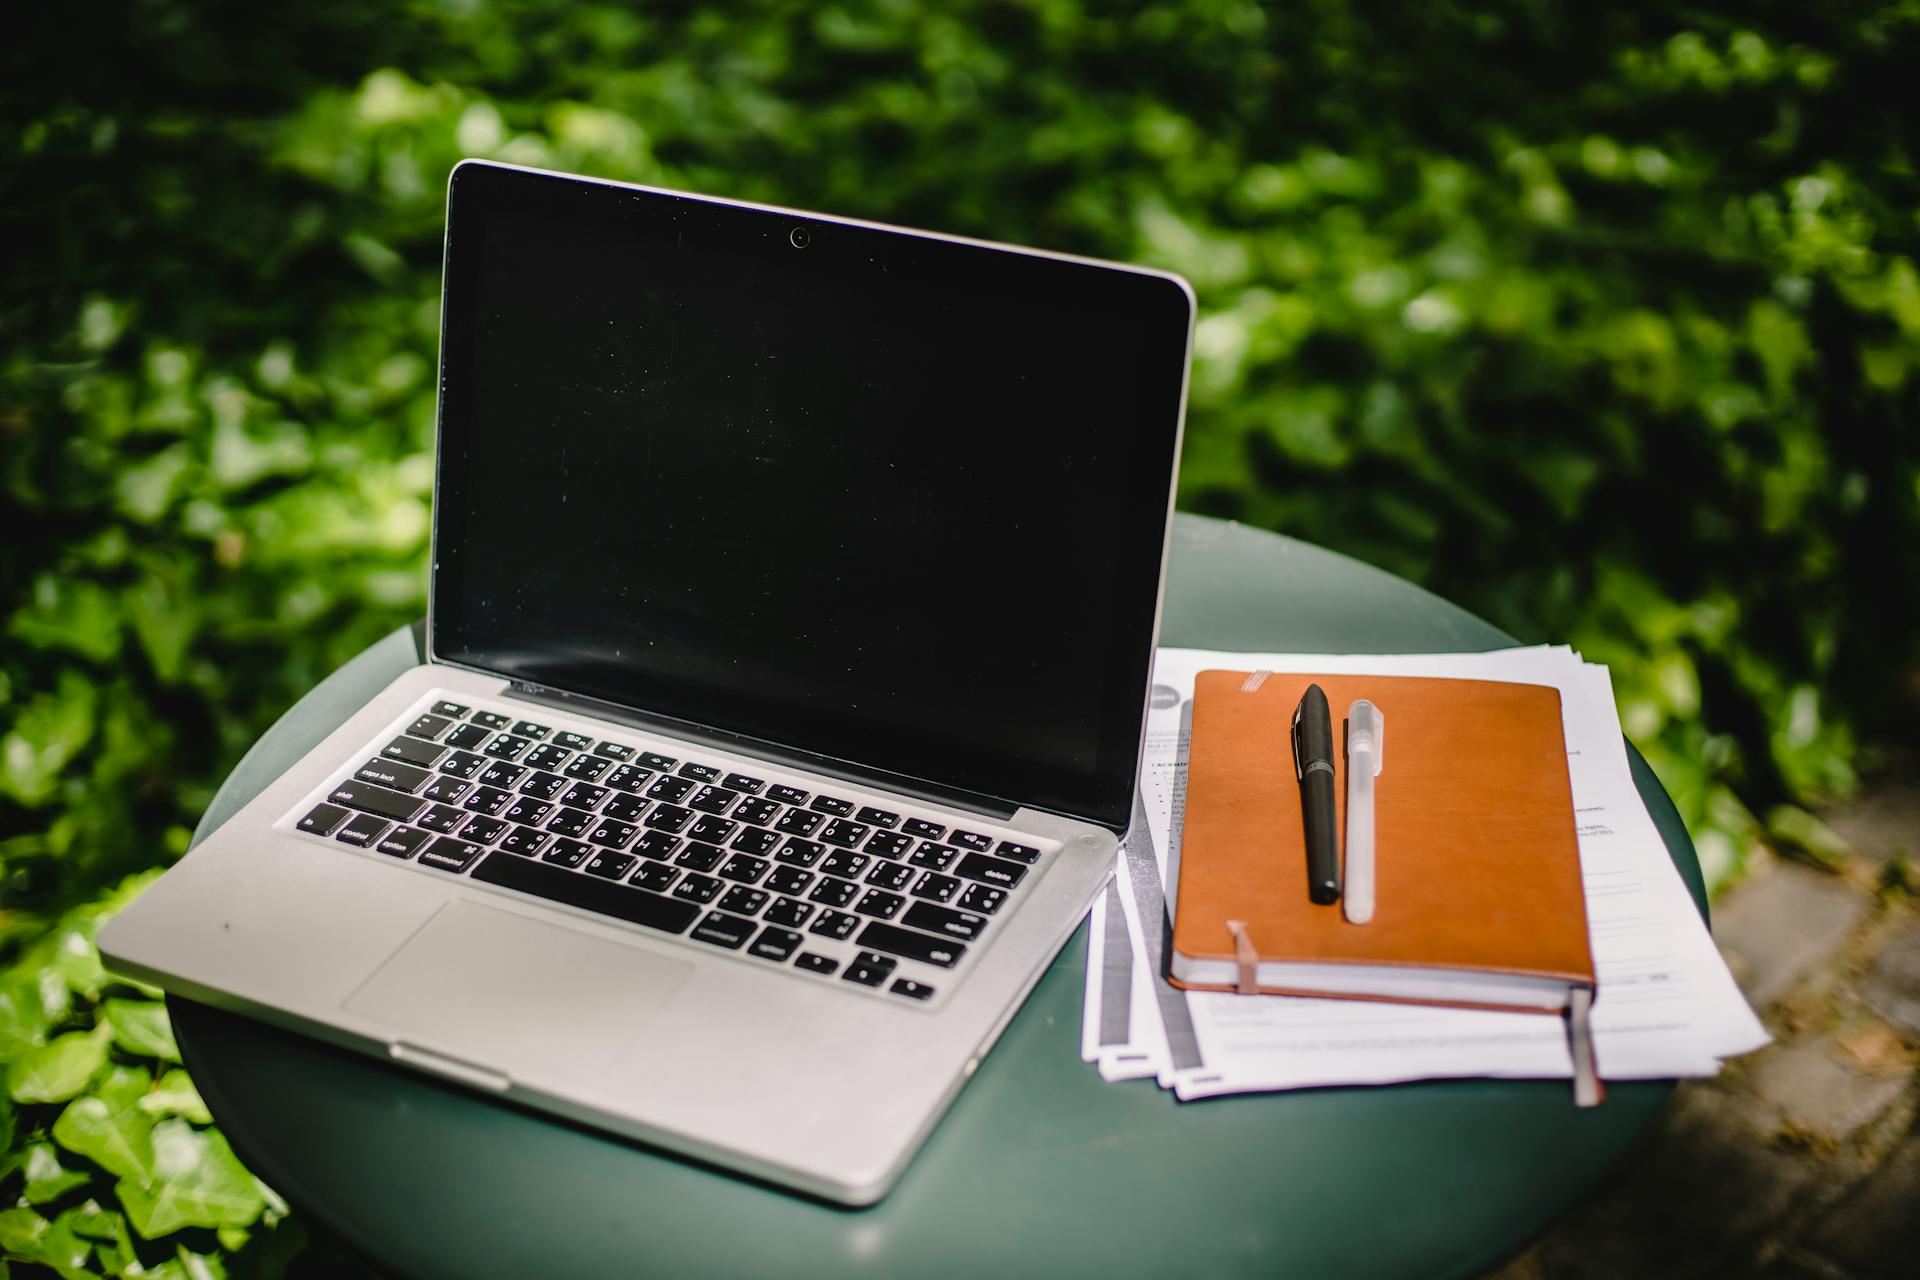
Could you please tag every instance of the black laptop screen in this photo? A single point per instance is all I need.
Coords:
(871, 497)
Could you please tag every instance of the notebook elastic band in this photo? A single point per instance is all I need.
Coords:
(1587, 1089)
(1246, 960)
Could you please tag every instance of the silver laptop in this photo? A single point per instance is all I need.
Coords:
(794, 591)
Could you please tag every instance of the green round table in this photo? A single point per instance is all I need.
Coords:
(1040, 1168)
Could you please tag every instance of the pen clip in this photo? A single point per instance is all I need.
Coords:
(1299, 774)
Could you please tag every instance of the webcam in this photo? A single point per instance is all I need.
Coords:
(799, 237)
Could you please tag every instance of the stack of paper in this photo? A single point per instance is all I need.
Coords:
(1666, 1005)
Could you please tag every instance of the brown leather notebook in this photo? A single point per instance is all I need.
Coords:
(1478, 894)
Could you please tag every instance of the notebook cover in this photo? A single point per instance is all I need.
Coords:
(1477, 865)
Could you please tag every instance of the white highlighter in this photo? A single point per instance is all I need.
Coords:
(1366, 728)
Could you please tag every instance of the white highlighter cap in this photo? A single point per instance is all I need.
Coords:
(1366, 732)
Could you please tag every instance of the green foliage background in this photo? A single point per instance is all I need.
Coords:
(1602, 321)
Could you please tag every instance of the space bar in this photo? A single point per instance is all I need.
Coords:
(576, 890)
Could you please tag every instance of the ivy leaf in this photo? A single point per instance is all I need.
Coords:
(176, 1096)
(118, 1140)
(26, 1235)
(46, 1178)
(59, 1070)
(141, 1028)
(47, 733)
(23, 1020)
(197, 1182)
(123, 1086)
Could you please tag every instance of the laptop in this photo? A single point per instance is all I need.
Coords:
(795, 583)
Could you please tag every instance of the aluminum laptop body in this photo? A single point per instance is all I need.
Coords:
(795, 584)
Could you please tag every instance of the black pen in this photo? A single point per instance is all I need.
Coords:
(1313, 765)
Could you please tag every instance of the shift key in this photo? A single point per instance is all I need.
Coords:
(371, 799)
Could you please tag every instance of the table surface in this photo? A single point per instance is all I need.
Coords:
(1039, 1167)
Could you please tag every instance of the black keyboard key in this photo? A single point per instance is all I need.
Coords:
(983, 898)
(835, 924)
(584, 795)
(841, 863)
(462, 764)
(413, 751)
(624, 808)
(945, 921)
(501, 774)
(889, 844)
(609, 865)
(910, 989)
(891, 875)
(614, 835)
(922, 828)
(745, 868)
(937, 888)
(730, 932)
(451, 710)
(699, 772)
(755, 840)
(528, 729)
(363, 830)
(654, 760)
(815, 963)
(669, 817)
(429, 727)
(448, 854)
(442, 818)
(468, 736)
(797, 822)
(741, 782)
(445, 789)
(933, 857)
(788, 913)
(394, 775)
(880, 903)
(507, 746)
(568, 853)
(613, 751)
(789, 880)
(628, 778)
(800, 853)
(633, 905)
(364, 796)
(483, 830)
(786, 795)
(711, 799)
(743, 901)
(670, 789)
(913, 946)
(1018, 852)
(490, 719)
(403, 842)
(488, 800)
(970, 840)
(834, 893)
(525, 841)
(774, 944)
(573, 741)
(868, 970)
(587, 768)
(756, 810)
(656, 844)
(700, 857)
(832, 804)
(695, 887)
(711, 829)
(877, 817)
(547, 756)
(529, 811)
(847, 835)
(569, 822)
(994, 871)
(657, 877)
(543, 786)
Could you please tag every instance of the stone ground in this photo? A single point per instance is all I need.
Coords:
(1801, 1161)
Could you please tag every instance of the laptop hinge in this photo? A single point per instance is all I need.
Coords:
(770, 752)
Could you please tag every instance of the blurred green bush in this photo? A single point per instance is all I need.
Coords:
(1601, 321)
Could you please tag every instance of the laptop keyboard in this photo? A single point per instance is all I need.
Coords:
(823, 885)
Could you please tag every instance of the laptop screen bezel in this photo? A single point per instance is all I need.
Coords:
(1142, 529)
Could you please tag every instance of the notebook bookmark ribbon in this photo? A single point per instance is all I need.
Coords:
(1246, 960)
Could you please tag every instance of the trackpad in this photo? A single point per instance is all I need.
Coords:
(517, 995)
